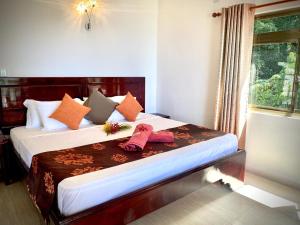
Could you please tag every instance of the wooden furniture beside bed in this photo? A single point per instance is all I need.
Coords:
(132, 206)
(10, 171)
(161, 115)
(4, 141)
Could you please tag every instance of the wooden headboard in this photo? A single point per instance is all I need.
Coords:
(14, 90)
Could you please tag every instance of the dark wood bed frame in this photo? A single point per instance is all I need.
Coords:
(132, 206)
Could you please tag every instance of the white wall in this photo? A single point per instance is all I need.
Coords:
(186, 62)
(273, 147)
(47, 38)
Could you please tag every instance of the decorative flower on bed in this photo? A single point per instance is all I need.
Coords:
(86, 170)
(112, 128)
(119, 158)
(150, 153)
(74, 159)
(49, 184)
(181, 135)
(98, 146)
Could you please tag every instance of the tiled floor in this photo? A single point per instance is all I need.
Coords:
(215, 205)
(211, 205)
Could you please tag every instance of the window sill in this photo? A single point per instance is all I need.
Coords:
(274, 113)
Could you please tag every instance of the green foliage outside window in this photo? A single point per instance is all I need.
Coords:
(274, 64)
(275, 91)
(275, 24)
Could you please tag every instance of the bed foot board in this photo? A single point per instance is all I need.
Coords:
(135, 205)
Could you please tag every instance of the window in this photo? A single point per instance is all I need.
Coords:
(275, 63)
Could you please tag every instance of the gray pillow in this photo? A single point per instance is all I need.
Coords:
(101, 107)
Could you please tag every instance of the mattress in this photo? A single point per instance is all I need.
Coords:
(81, 192)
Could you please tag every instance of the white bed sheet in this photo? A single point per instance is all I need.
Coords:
(81, 192)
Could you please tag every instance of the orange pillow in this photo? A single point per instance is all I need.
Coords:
(70, 112)
(129, 107)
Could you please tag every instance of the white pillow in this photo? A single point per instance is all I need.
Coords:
(33, 119)
(116, 117)
(118, 99)
(78, 100)
(46, 108)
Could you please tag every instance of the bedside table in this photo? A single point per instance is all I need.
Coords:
(161, 115)
(4, 148)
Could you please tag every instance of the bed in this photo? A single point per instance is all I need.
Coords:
(97, 197)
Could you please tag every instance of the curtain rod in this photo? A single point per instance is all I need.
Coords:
(217, 14)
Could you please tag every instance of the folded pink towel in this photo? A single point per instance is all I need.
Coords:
(161, 136)
(139, 138)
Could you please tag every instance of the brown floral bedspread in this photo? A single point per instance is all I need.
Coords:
(49, 168)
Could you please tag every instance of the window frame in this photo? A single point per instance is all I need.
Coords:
(281, 37)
